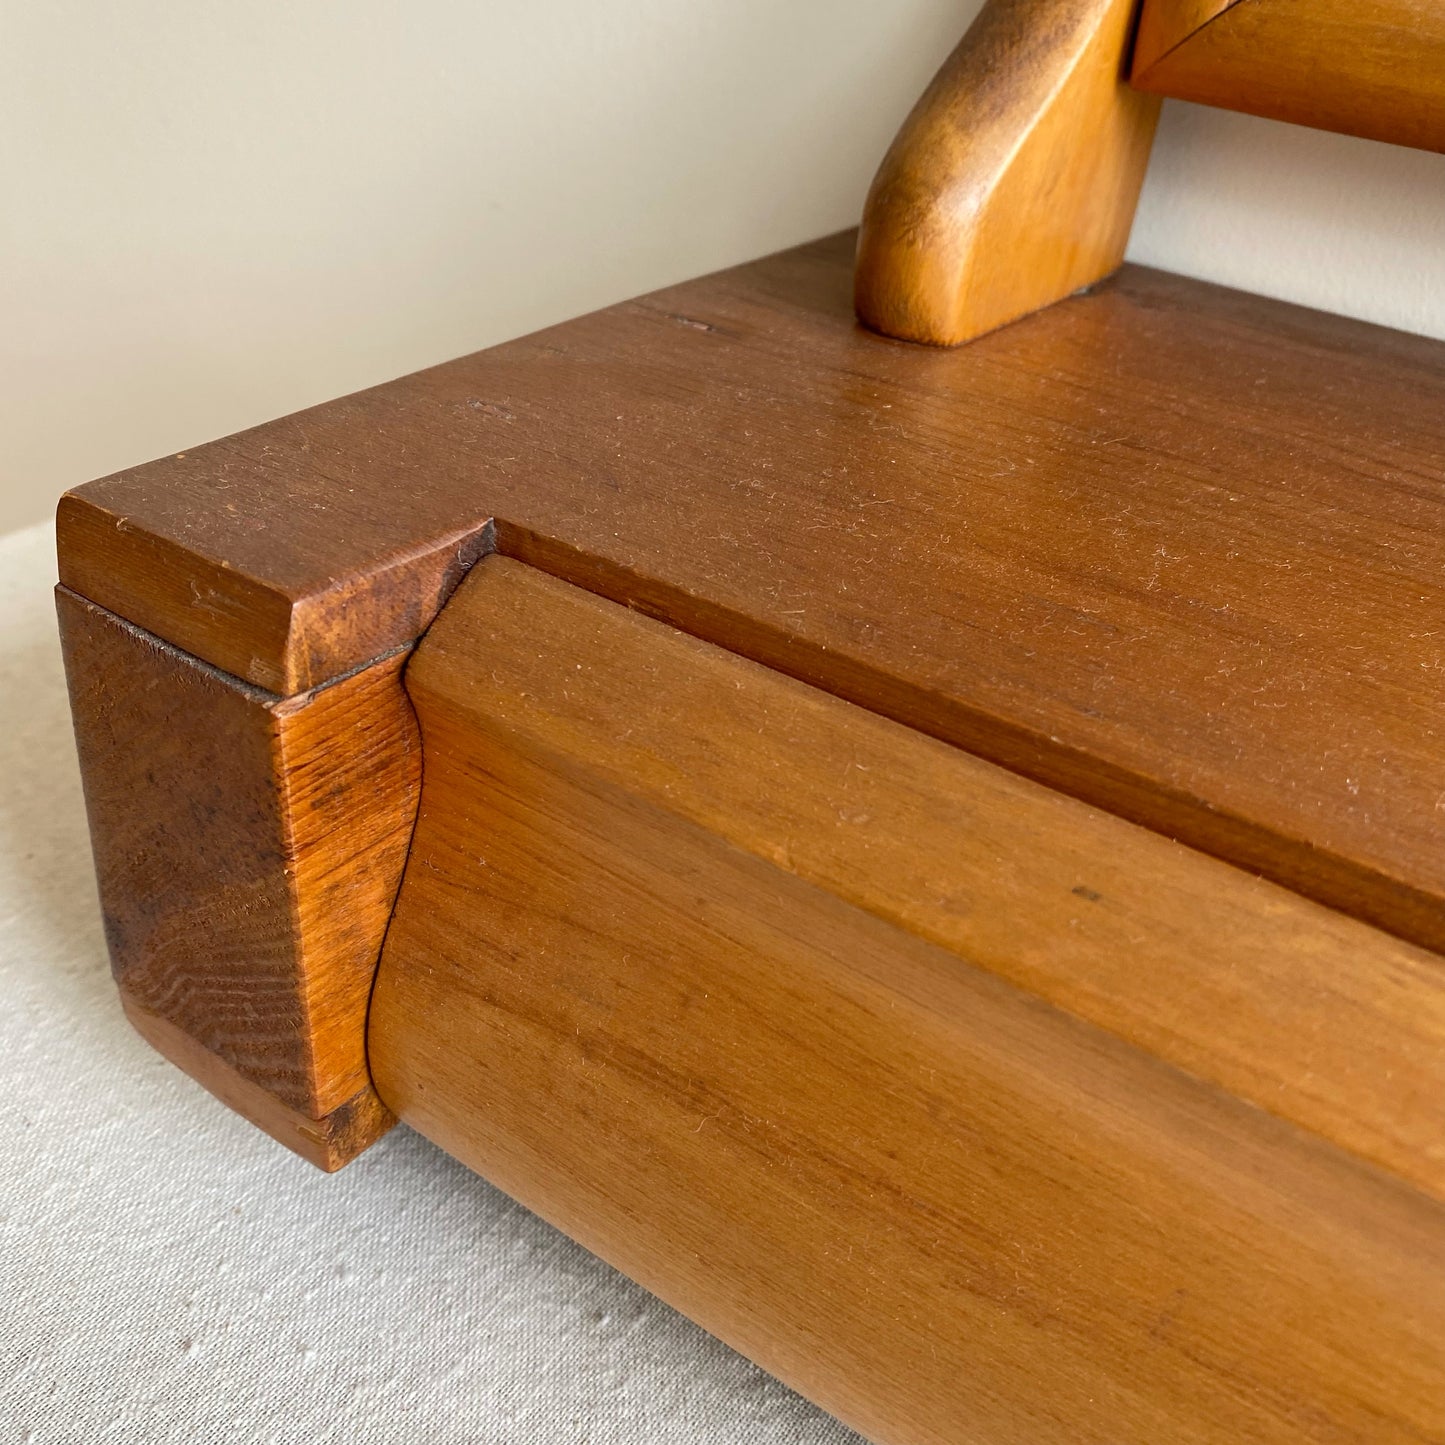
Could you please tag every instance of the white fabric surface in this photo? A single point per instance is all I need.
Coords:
(167, 1273)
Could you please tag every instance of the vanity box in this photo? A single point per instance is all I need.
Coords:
(920, 839)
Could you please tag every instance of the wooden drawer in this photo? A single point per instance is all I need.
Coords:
(969, 1111)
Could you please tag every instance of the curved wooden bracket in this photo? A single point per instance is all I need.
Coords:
(1014, 180)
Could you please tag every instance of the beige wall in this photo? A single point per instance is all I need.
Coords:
(225, 210)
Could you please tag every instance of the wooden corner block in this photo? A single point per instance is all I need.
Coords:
(248, 848)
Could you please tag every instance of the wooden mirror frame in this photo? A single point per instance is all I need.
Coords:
(1372, 68)
(1014, 180)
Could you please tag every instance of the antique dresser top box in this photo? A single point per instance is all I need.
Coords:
(919, 841)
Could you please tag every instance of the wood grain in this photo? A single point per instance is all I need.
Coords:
(278, 618)
(1173, 549)
(328, 1142)
(248, 850)
(1014, 180)
(1299, 1010)
(938, 1207)
(1373, 68)
(1163, 24)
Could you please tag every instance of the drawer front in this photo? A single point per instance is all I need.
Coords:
(969, 1111)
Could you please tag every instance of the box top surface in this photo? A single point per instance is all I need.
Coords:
(1177, 550)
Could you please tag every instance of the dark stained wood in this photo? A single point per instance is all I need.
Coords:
(1173, 549)
(274, 623)
(944, 1211)
(1373, 68)
(1014, 180)
(248, 850)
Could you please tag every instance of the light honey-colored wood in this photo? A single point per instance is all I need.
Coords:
(1163, 24)
(327, 1142)
(1296, 1008)
(1373, 68)
(723, 977)
(1014, 180)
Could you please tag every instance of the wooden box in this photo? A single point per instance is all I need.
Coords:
(930, 860)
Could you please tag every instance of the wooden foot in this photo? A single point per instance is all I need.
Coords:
(1014, 181)
(327, 1142)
